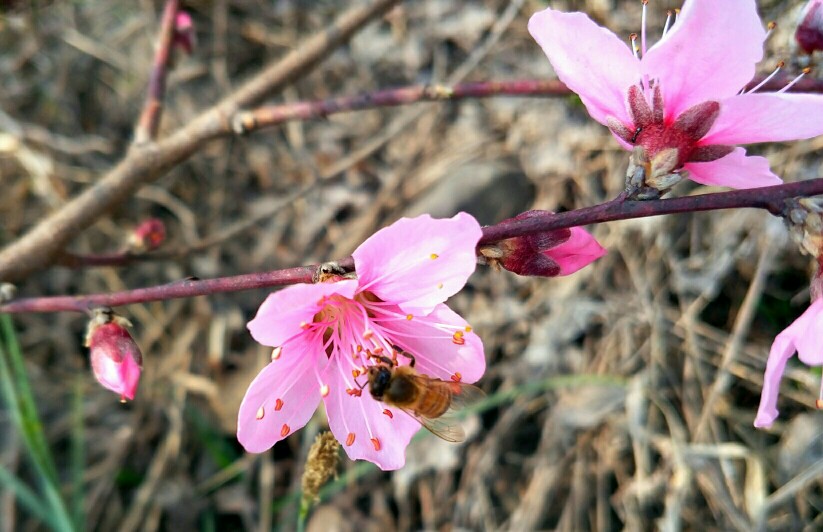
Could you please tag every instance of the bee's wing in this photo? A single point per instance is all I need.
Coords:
(463, 395)
(448, 426)
(442, 427)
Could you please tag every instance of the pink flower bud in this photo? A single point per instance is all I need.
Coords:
(809, 33)
(147, 236)
(580, 250)
(548, 254)
(115, 358)
(184, 35)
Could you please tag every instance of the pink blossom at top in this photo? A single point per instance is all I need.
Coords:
(809, 34)
(802, 336)
(323, 335)
(683, 92)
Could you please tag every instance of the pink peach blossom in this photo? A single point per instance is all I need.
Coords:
(803, 336)
(323, 335)
(683, 92)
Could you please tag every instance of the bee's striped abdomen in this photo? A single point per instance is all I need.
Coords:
(434, 401)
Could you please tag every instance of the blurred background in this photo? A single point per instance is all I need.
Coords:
(600, 417)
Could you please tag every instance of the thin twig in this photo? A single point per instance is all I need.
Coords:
(272, 115)
(768, 198)
(146, 162)
(149, 121)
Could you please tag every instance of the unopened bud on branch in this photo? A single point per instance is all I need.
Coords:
(805, 220)
(547, 254)
(116, 360)
(809, 33)
(147, 236)
(184, 35)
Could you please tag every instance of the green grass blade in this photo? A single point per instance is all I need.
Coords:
(20, 396)
(26, 497)
(78, 457)
(22, 407)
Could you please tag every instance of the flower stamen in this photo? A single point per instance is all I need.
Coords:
(668, 23)
(819, 403)
(780, 64)
(635, 49)
(770, 27)
(795, 80)
(643, 27)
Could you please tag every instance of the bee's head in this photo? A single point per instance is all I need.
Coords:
(379, 378)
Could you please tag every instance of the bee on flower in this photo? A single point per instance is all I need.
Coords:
(326, 336)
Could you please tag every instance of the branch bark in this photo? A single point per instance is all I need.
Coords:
(771, 199)
(149, 121)
(145, 163)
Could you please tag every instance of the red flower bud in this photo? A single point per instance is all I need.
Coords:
(147, 236)
(184, 35)
(547, 254)
(115, 358)
(809, 33)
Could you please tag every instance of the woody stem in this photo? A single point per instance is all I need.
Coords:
(771, 199)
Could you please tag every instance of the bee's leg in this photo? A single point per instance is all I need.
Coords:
(412, 360)
(385, 360)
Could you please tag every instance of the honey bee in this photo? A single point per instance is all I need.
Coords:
(432, 402)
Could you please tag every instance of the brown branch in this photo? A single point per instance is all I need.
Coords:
(149, 121)
(147, 162)
(771, 199)
(272, 115)
(44, 243)
(267, 116)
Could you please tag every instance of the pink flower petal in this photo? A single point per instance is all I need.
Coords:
(438, 353)
(580, 250)
(121, 377)
(418, 262)
(809, 331)
(359, 422)
(735, 170)
(709, 54)
(590, 59)
(281, 314)
(281, 399)
(767, 117)
(782, 349)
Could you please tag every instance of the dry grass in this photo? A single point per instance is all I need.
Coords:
(668, 333)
